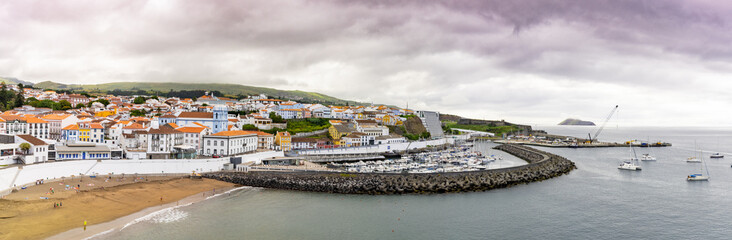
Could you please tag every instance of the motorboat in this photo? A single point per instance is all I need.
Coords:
(693, 160)
(716, 155)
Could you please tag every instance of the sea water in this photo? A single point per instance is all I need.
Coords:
(596, 201)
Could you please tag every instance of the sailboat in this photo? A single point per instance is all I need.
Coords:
(717, 155)
(693, 159)
(648, 156)
(632, 163)
(699, 176)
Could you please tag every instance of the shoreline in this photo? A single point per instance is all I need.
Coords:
(101, 229)
(24, 216)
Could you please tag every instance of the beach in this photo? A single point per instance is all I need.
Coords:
(25, 215)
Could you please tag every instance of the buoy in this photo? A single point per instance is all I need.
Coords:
(392, 230)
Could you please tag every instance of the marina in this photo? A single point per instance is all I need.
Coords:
(455, 159)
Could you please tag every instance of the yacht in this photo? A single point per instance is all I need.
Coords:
(629, 165)
(697, 177)
(647, 157)
(632, 163)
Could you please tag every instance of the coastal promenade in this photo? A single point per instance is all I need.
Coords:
(19, 176)
(542, 166)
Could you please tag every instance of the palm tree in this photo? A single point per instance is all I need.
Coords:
(25, 147)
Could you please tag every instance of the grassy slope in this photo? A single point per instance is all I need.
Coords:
(232, 89)
(485, 128)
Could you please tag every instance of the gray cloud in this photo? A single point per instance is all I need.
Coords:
(665, 62)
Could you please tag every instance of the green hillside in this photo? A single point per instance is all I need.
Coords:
(13, 81)
(228, 89)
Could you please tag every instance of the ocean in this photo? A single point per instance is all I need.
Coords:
(596, 201)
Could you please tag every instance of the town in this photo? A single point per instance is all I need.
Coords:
(45, 125)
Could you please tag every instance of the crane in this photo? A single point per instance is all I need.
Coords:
(599, 130)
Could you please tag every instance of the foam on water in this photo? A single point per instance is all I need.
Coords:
(99, 234)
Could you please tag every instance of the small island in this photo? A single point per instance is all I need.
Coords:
(576, 122)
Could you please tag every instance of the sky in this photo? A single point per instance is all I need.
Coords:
(663, 62)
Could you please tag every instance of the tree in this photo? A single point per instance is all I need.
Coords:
(276, 118)
(45, 104)
(19, 99)
(249, 127)
(425, 135)
(64, 105)
(25, 147)
(139, 100)
(138, 113)
(79, 105)
(104, 102)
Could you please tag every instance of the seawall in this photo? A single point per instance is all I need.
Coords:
(542, 165)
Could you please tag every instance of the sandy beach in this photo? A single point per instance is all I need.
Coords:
(25, 215)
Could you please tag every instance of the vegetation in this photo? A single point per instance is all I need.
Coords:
(105, 102)
(276, 118)
(10, 99)
(139, 100)
(307, 125)
(249, 127)
(138, 113)
(25, 147)
(183, 90)
(498, 130)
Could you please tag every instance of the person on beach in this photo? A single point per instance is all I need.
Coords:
(84, 225)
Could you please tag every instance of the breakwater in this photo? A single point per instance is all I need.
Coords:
(542, 166)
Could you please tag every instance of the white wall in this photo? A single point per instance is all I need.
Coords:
(380, 148)
(30, 173)
(257, 157)
(6, 177)
(159, 166)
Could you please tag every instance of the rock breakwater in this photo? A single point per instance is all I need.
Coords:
(541, 166)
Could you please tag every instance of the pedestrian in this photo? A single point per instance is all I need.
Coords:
(60, 204)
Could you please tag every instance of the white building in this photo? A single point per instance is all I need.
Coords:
(38, 151)
(161, 141)
(229, 143)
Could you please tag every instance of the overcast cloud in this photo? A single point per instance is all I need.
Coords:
(536, 62)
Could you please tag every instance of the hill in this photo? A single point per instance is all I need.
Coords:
(227, 89)
(576, 122)
(14, 81)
